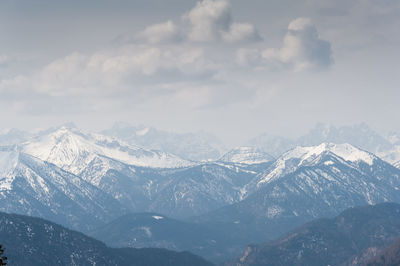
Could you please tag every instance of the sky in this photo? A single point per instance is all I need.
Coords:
(233, 68)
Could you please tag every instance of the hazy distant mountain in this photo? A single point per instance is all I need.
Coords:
(191, 146)
(72, 150)
(392, 155)
(360, 135)
(246, 155)
(34, 241)
(34, 187)
(13, 136)
(307, 183)
(273, 145)
(351, 238)
(394, 138)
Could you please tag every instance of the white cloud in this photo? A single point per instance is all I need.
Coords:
(208, 21)
(127, 68)
(166, 32)
(302, 47)
(211, 20)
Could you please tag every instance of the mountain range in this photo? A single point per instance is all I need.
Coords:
(307, 183)
(361, 136)
(85, 181)
(198, 146)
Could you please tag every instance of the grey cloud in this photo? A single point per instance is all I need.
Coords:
(302, 47)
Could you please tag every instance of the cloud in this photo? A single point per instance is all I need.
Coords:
(248, 57)
(127, 69)
(166, 32)
(208, 21)
(302, 47)
(241, 32)
(4, 59)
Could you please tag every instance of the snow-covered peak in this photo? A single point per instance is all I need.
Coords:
(72, 150)
(293, 159)
(246, 155)
(345, 151)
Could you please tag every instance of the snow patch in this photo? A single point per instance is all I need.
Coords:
(146, 230)
(142, 132)
(274, 211)
(157, 217)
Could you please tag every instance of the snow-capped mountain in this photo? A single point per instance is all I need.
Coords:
(309, 156)
(31, 186)
(312, 182)
(247, 155)
(72, 150)
(199, 189)
(176, 192)
(198, 146)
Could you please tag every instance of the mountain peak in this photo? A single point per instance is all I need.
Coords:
(293, 159)
(246, 155)
(346, 151)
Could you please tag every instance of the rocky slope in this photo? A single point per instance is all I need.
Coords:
(351, 238)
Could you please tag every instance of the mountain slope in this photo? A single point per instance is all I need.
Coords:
(351, 238)
(390, 256)
(308, 183)
(33, 187)
(155, 230)
(34, 241)
(199, 189)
